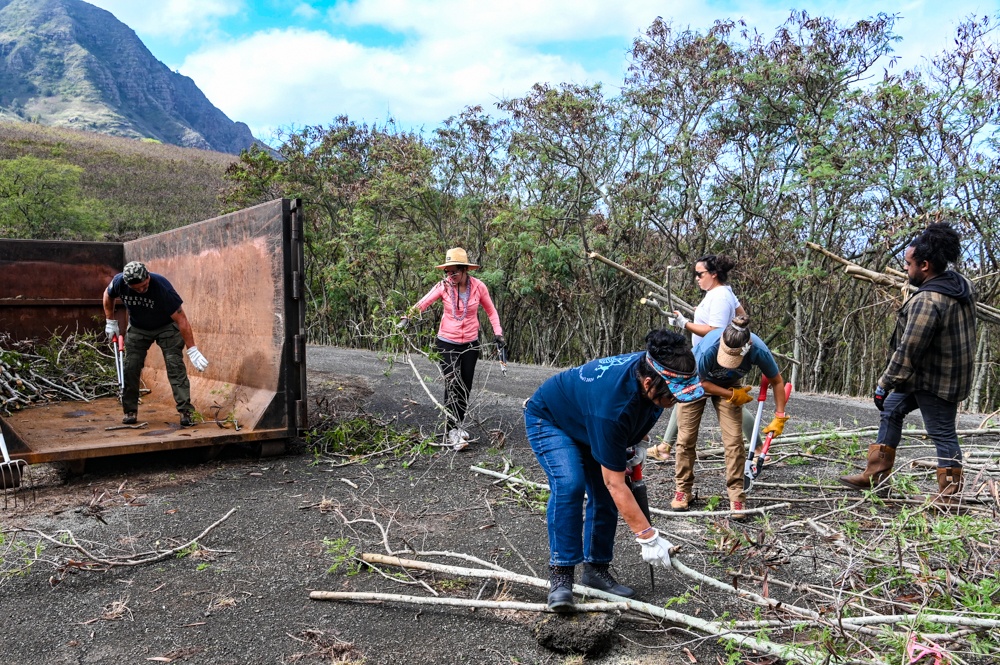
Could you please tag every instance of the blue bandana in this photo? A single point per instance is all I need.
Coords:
(685, 387)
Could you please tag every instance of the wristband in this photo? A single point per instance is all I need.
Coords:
(779, 414)
(642, 533)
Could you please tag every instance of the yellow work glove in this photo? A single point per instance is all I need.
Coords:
(777, 425)
(741, 396)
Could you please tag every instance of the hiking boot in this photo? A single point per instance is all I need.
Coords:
(737, 505)
(680, 501)
(880, 461)
(949, 496)
(131, 418)
(597, 576)
(186, 419)
(561, 588)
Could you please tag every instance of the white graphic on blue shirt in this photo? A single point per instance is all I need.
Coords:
(602, 365)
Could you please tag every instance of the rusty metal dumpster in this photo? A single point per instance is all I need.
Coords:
(240, 276)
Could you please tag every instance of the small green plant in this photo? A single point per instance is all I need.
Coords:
(678, 600)
(983, 596)
(452, 585)
(712, 503)
(187, 551)
(364, 436)
(344, 556)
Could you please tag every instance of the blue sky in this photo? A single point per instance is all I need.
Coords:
(288, 63)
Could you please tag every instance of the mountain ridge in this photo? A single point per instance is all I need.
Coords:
(67, 63)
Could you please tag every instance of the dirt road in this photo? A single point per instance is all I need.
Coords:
(242, 596)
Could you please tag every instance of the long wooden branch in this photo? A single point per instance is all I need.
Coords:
(460, 602)
(708, 627)
(678, 302)
(657, 511)
(891, 279)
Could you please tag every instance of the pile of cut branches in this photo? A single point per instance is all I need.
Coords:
(76, 366)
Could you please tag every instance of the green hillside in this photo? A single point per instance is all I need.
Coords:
(135, 187)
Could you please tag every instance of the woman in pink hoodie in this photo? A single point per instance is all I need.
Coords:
(458, 335)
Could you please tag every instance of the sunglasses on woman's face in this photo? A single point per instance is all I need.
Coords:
(699, 273)
(453, 272)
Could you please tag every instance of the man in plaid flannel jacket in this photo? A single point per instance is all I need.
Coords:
(931, 365)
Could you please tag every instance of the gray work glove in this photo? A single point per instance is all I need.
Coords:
(655, 549)
(111, 328)
(678, 320)
(403, 324)
(637, 458)
(199, 361)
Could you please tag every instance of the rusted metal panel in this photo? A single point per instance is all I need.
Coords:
(51, 287)
(235, 275)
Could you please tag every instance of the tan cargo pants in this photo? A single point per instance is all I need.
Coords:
(730, 422)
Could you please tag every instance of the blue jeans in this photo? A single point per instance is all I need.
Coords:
(573, 473)
(939, 421)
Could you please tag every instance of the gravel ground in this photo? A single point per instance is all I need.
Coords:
(243, 597)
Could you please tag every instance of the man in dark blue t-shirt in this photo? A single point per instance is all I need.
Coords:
(154, 315)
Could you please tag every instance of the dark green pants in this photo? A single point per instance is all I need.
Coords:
(137, 343)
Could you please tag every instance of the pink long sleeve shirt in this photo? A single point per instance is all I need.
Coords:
(460, 322)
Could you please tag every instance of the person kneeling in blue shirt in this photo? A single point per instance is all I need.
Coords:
(580, 424)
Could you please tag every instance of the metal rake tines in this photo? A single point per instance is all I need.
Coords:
(12, 482)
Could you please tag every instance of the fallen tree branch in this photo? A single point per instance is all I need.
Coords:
(657, 511)
(123, 562)
(744, 641)
(460, 602)
(678, 302)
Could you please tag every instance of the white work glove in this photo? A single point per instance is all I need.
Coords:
(678, 320)
(655, 549)
(199, 361)
(111, 328)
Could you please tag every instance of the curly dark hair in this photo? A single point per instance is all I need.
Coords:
(719, 264)
(939, 245)
(671, 350)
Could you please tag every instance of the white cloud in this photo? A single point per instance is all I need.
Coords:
(519, 21)
(306, 11)
(171, 18)
(285, 77)
(453, 53)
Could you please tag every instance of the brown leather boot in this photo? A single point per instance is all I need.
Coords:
(949, 494)
(880, 461)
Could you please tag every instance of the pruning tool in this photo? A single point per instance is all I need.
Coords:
(502, 352)
(118, 349)
(637, 485)
(755, 458)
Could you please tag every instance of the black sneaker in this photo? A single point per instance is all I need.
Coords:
(131, 418)
(561, 588)
(186, 420)
(597, 576)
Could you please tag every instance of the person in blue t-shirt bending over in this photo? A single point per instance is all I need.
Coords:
(725, 356)
(580, 424)
(154, 315)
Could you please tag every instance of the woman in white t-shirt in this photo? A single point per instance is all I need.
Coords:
(719, 306)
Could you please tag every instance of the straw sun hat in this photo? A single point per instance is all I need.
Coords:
(457, 256)
(731, 357)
